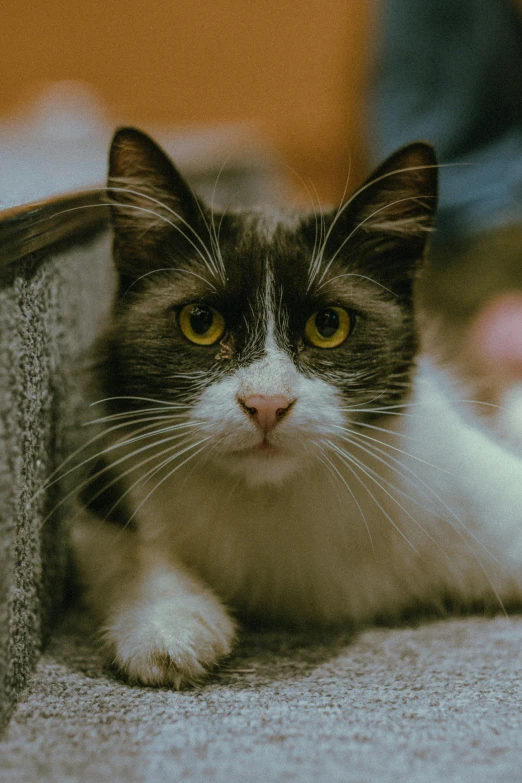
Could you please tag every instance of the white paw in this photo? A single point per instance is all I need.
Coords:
(170, 641)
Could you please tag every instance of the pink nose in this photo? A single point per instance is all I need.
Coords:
(266, 411)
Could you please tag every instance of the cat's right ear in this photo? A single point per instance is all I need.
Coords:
(148, 196)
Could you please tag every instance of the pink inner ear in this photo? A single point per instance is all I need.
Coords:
(497, 333)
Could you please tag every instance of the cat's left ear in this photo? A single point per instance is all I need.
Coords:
(387, 222)
(400, 196)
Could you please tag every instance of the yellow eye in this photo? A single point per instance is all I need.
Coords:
(329, 328)
(201, 324)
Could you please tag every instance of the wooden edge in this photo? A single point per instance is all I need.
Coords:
(42, 224)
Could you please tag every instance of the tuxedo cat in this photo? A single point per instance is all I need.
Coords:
(278, 449)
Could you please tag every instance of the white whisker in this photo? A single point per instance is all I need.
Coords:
(373, 451)
(360, 225)
(202, 441)
(172, 269)
(49, 483)
(143, 478)
(362, 189)
(74, 492)
(396, 448)
(347, 459)
(168, 405)
(354, 497)
(135, 416)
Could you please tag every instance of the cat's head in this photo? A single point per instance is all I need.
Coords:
(263, 335)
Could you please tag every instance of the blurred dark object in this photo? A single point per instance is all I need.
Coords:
(451, 73)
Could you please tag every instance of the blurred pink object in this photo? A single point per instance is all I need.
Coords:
(496, 334)
(495, 341)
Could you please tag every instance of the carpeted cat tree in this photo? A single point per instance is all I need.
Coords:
(52, 302)
(440, 702)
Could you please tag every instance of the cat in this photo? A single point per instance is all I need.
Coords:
(280, 449)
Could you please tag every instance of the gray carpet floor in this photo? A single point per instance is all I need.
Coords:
(439, 702)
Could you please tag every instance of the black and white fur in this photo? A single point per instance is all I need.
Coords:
(372, 496)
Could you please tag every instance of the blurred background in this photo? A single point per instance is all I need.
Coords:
(294, 101)
(287, 78)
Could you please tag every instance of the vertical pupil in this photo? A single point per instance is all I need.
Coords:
(201, 319)
(327, 323)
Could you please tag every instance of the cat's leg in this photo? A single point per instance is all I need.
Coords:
(162, 625)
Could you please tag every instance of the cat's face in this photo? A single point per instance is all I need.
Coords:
(268, 334)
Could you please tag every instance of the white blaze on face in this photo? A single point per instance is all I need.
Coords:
(274, 374)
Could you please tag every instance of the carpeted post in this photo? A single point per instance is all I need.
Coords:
(52, 305)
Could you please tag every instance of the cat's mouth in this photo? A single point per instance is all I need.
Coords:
(264, 447)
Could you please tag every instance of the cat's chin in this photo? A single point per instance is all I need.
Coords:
(262, 464)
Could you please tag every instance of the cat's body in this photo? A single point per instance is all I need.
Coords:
(287, 454)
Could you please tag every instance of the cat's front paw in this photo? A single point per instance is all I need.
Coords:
(170, 642)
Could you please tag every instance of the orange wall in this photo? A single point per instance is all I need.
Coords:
(295, 68)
